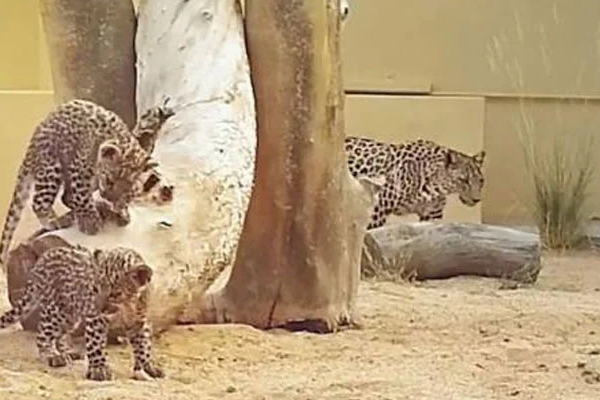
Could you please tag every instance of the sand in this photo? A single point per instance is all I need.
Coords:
(461, 339)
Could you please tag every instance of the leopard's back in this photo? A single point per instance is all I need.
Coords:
(420, 174)
(367, 157)
(68, 277)
(63, 276)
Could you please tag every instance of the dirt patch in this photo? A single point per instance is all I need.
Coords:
(462, 338)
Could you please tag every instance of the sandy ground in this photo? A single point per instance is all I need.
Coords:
(455, 339)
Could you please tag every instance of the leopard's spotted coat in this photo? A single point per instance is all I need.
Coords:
(81, 147)
(150, 187)
(419, 175)
(73, 285)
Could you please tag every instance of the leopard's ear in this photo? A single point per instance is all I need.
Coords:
(479, 157)
(141, 274)
(109, 153)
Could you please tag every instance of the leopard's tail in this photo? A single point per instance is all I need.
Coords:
(22, 308)
(20, 197)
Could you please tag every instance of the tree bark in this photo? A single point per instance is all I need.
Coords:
(92, 55)
(195, 53)
(297, 263)
(427, 250)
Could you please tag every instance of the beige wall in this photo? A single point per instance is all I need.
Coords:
(551, 47)
(25, 86)
(24, 63)
(20, 112)
(506, 197)
(502, 50)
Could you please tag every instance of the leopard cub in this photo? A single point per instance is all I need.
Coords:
(81, 147)
(74, 285)
(150, 187)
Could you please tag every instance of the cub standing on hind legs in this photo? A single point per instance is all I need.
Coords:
(83, 147)
(73, 285)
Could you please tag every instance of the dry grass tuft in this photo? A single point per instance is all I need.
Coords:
(560, 175)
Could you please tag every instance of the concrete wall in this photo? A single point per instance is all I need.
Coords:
(25, 86)
(460, 72)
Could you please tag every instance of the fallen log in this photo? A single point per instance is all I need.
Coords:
(434, 250)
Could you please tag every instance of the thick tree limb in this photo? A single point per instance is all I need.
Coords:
(92, 56)
(429, 250)
(297, 263)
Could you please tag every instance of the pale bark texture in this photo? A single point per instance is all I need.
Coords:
(427, 250)
(297, 263)
(194, 52)
(92, 55)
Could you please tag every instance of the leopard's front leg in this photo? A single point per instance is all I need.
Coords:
(96, 332)
(116, 212)
(141, 342)
(81, 198)
(66, 349)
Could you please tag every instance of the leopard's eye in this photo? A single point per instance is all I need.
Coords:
(108, 182)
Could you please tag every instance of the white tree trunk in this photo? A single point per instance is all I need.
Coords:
(194, 52)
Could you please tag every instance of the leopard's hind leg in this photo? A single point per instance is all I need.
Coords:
(96, 335)
(50, 331)
(47, 180)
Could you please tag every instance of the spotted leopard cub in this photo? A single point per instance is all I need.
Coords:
(149, 187)
(80, 146)
(73, 285)
(419, 176)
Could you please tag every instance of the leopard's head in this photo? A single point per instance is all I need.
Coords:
(129, 277)
(120, 165)
(126, 271)
(466, 175)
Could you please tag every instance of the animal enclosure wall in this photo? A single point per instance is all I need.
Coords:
(453, 71)
(526, 60)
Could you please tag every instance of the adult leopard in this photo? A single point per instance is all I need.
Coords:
(419, 175)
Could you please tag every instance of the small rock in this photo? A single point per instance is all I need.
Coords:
(231, 389)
